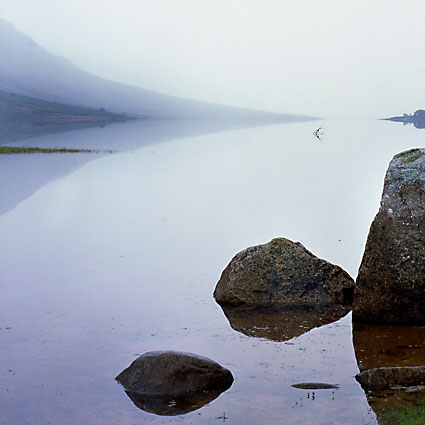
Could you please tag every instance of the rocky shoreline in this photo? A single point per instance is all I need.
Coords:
(390, 287)
(268, 290)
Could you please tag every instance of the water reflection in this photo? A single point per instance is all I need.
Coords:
(121, 256)
(417, 119)
(175, 405)
(23, 130)
(385, 346)
(279, 325)
(20, 178)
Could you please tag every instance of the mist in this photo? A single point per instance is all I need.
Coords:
(350, 59)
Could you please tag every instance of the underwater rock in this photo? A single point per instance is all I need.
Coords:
(315, 386)
(171, 383)
(282, 273)
(390, 286)
(386, 377)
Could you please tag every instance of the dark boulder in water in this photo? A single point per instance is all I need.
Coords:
(391, 281)
(283, 274)
(172, 383)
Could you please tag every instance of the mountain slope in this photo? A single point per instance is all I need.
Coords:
(23, 117)
(28, 69)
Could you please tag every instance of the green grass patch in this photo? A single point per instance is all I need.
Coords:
(8, 150)
(405, 416)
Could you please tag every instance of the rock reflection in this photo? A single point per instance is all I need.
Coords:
(279, 325)
(384, 346)
(174, 405)
(12, 131)
(384, 404)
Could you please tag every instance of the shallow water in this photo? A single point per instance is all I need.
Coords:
(106, 257)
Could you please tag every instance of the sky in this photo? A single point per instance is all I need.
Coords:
(334, 59)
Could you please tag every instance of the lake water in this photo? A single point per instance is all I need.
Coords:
(107, 256)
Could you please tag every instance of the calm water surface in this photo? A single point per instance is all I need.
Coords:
(105, 257)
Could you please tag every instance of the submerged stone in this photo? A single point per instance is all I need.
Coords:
(416, 389)
(172, 383)
(391, 281)
(315, 386)
(386, 377)
(285, 274)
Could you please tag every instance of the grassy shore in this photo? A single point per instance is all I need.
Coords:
(406, 416)
(23, 117)
(8, 150)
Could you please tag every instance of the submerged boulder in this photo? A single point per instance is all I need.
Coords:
(315, 386)
(391, 281)
(283, 274)
(386, 377)
(171, 373)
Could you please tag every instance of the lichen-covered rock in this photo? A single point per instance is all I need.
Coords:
(386, 377)
(391, 281)
(283, 274)
(171, 373)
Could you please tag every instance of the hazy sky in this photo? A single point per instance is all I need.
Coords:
(327, 58)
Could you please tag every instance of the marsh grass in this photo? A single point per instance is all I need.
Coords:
(414, 415)
(8, 150)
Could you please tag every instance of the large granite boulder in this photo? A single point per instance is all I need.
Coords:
(391, 280)
(173, 383)
(283, 274)
(386, 377)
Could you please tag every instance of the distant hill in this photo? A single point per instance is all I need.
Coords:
(28, 69)
(417, 119)
(23, 117)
